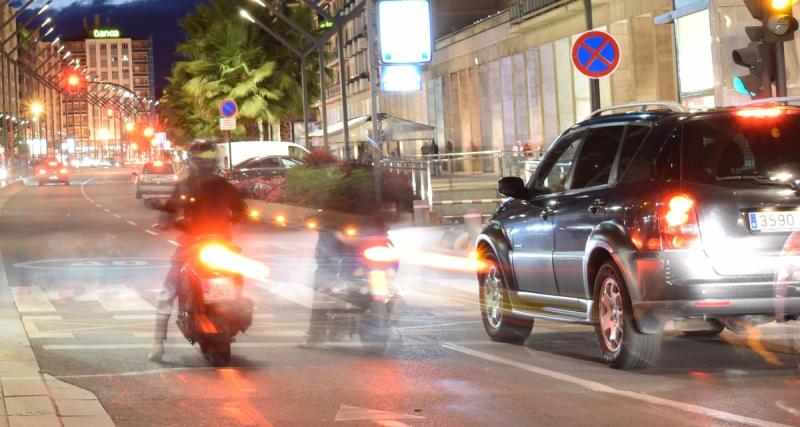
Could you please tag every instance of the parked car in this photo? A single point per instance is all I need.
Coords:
(157, 178)
(265, 167)
(109, 163)
(52, 171)
(644, 217)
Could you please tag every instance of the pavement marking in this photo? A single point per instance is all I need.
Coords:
(117, 216)
(355, 413)
(132, 223)
(787, 408)
(151, 232)
(602, 388)
(122, 299)
(173, 243)
(107, 210)
(151, 316)
(29, 322)
(31, 299)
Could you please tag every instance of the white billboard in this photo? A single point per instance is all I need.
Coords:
(405, 31)
(401, 78)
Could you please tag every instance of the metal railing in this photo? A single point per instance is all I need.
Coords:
(459, 171)
(526, 7)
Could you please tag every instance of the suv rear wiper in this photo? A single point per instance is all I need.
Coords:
(762, 180)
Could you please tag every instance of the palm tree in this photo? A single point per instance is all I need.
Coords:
(226, 59)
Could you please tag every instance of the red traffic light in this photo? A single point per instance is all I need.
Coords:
(73, 80)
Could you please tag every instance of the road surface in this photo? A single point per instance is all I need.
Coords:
(85, 266)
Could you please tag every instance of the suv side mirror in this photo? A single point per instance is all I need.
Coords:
(135, 174)
(513, 186)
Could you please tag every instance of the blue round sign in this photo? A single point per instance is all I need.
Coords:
(228, 108)
(596, 54)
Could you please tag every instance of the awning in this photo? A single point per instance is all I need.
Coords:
(393, 128)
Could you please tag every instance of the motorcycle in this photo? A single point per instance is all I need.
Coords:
(211, 308)
(358, 276)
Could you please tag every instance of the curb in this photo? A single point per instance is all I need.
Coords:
(30, 397)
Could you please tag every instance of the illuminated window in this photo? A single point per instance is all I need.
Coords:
(695, 66)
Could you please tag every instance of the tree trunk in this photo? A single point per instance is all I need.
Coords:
(260, 124)
(286, 128)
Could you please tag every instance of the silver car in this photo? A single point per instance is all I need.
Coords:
(158, 178)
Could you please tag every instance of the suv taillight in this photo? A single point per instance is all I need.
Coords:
(678, 225)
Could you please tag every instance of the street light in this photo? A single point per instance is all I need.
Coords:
(149, 132)
(129, 127)
(37, 109)
(102, 133)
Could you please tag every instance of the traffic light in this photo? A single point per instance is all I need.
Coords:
(779, 23)
(758, 58)
(74, 82)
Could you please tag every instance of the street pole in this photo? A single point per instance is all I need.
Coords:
(323, 99)
(372, 45)
(305, 99)
(780, 71)
(343, 89)
(594, 84)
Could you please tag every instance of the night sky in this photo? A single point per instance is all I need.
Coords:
(135, 18)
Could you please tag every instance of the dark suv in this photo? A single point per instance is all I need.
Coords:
(647, 216)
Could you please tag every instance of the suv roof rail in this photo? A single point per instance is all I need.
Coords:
(670, 105)
(772, 100)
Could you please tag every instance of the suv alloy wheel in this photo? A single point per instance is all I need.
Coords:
(496, 308)
(623, 346)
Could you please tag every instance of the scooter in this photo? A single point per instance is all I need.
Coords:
(211, 308)
(360, 281)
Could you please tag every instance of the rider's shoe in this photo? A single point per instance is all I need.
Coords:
(157, 351)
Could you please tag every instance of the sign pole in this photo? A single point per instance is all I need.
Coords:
(594, 84)
(373, 89)
(230, 150)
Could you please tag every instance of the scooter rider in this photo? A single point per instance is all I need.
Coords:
(203, 204)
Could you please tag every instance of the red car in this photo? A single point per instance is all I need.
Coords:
(52, 170)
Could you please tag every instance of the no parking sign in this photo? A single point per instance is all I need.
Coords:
(595, 54)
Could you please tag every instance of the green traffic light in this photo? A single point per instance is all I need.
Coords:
(738, 86)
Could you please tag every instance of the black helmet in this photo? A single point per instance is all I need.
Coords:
(203, 157)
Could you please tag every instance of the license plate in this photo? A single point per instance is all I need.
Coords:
(775, 221)
(53, 177)
(219, 289)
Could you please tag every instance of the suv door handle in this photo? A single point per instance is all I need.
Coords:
(546, 212)
(596, 205)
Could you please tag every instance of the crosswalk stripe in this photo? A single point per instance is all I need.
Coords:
(122, 299)
(31, 299)
(151, 232)
(33, 331)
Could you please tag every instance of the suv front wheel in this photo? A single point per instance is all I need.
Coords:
(623, 346)
(496, 307)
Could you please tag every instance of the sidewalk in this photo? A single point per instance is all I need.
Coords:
(31, 398)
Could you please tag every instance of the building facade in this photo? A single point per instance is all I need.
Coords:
(509, 77)
(9, 84)
(111, 58)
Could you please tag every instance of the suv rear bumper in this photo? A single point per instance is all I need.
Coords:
(718, 300)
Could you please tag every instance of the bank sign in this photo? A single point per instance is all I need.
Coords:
(108, 33)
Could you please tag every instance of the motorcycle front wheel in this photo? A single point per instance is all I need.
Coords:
(217, 354)
(374, 330)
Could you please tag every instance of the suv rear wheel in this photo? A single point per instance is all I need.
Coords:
(496, 308)
(622, 345)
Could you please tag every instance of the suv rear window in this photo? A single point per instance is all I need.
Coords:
(727, 146)
(158, 169)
